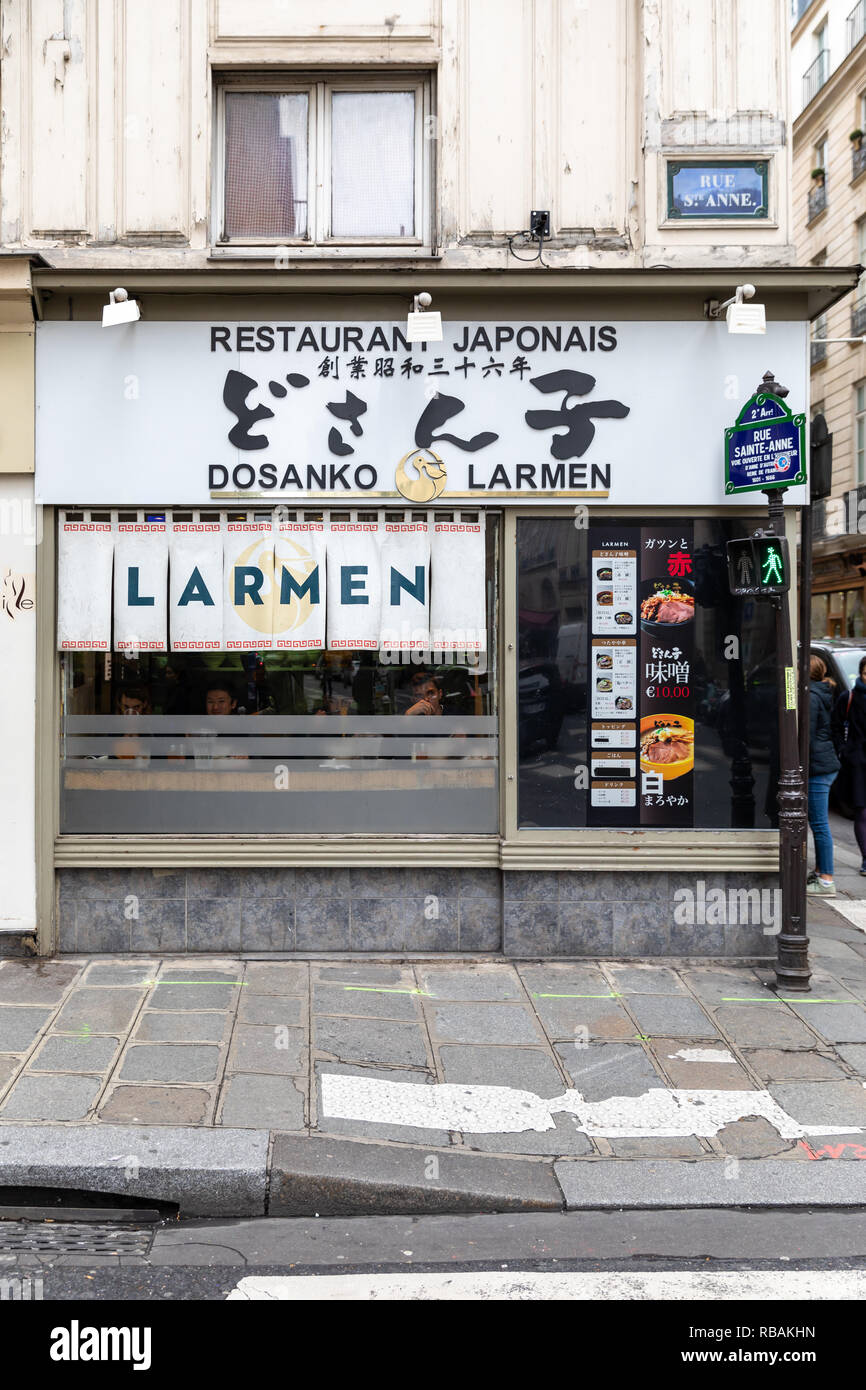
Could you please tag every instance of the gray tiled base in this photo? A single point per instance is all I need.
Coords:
(522, 914)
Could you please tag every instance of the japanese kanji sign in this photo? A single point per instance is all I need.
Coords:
(765, 448)
(209, 414)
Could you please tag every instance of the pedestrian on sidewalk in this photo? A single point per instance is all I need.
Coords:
(824, 766)
(849, 736)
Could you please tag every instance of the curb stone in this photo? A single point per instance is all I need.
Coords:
(207, 1172)
(344, 1177)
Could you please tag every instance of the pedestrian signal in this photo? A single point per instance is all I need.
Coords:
(758, 566)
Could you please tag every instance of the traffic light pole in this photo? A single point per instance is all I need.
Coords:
(792, 961)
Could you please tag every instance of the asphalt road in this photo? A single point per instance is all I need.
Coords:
(209, 1260)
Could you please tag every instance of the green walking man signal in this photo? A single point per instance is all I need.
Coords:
(758, 566)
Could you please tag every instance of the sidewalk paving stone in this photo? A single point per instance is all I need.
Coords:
(177, 1027)
(490, 983)
(161, 1105)
(101, 1010)
(646, 979)
(167, 1062)
(401, 1134)
(20, 983)
(8, 1066)
(602, 1018)
(484, 1023)
(114, 973)
(775, 1064)
(524, 1068)
(364, 974)
(51, 1097)
(763, 1025)
(823, 1102)
(370, 1001)
(279, 977)
(854, 1054)
(835, 1022)
(272, 1009)
(563, 978)
(175, 994)
(651, 1147)
(263, 1102)
(20, 1025)
(671, 1017)
(370, 1040)
(75, 1054)
(753, 1137)
(268, 1050)
(564, 1138)
(605, 1069)
(698, 1075)
(713, 985)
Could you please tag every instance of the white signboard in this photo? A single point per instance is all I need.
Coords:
(624, 413)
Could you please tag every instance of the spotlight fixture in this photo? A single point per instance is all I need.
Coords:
(740, 317)
(423, 324)
(120, 309)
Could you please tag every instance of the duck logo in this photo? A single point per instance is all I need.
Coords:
(429, 480)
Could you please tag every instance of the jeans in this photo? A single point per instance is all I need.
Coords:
(819, 795)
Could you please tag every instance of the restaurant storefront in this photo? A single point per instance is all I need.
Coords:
(355, 644)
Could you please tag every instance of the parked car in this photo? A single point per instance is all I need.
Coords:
(842, 659)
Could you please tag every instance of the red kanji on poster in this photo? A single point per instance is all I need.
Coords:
(679, 564)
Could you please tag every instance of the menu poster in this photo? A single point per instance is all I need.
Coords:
(613, 592)
(665, 679)
(613, 797)
(610, 766)
(613, 677)
(603, 735)
(613, 674)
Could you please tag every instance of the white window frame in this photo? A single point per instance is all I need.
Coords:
(860, 229)
(860, 432)
(318, 242)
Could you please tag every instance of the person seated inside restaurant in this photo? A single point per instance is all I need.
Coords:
(131, 700)
(220, 700)
(426, 694)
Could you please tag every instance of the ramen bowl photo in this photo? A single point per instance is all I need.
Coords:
(667, 745)
(667, 604)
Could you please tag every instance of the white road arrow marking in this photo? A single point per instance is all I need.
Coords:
(504, 1110)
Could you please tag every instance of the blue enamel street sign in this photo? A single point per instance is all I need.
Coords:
(728, 189)
(765, 448)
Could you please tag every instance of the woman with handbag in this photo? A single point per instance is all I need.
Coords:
(849, 728)
(823, 767)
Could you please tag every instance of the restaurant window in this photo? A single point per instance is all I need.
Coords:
(646, 693)
(323, 162)
(278, 673)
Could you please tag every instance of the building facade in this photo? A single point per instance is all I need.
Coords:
(829, 202)
(351, 640)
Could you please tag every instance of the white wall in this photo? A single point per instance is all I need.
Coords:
(17, 703)
(563, 104)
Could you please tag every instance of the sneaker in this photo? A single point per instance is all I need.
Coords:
(821, 889)
(812, 876)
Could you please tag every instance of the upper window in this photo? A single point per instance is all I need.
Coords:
(312, 164)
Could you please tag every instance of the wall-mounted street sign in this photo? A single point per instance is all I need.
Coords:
(766, 447)
(758, 566)
(729, 189)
